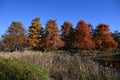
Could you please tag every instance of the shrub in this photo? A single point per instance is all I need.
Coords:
(14, 69)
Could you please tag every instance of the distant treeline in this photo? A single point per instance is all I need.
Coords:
(83, 37)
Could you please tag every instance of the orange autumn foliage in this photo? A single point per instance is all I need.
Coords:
(14, 38)
(83, 38)
(67, 34)
(34, 37)
(51, 38)
(103, 38)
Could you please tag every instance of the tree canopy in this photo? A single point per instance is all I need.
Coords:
(34, 37)
(103, 38)
(14, 38)
(67, 34)
(83, 38)
(51, 38)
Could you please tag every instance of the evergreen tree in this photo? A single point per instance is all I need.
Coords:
(34, 36)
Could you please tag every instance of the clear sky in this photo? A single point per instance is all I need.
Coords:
(92, 11)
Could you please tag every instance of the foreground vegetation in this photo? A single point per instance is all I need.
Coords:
(63, 66)
(14, 69)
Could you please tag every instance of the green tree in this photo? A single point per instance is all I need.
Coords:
(67, 34)
(14, 38)
(51, 38)
(83, 38)
(34, 35)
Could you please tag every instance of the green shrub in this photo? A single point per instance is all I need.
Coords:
(14, 69)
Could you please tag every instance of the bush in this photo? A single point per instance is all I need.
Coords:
(14, 69)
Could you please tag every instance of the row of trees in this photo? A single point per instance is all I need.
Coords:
(50, 38)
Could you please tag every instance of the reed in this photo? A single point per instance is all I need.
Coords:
(66, 67)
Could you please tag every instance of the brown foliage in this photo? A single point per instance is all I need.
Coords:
(103, 38)
(51, 38)
(83, 38)
(14, 38)
(67, 34)
(35, 31)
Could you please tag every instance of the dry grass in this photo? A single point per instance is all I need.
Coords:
(66, 67)
(18, 54)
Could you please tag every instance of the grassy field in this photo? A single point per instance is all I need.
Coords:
(62, 66)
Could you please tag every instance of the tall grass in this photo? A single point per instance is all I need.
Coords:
(66, 67)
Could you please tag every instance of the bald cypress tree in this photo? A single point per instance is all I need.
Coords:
(67, 34)
(51, 38)
(34, 35)
(83, 38)
(14, 38)
(103, 38)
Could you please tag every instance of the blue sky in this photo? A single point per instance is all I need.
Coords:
(92, 11)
